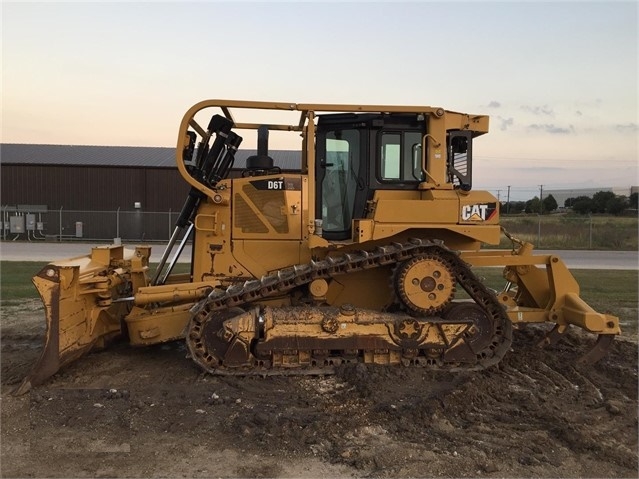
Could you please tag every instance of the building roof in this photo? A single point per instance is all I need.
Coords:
(123, 156)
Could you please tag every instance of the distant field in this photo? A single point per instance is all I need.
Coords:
(574, 232)
(612, 292)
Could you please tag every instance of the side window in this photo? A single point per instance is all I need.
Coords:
(400, 157)
(390, 156)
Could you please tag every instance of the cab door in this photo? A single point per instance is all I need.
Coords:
(341, 174)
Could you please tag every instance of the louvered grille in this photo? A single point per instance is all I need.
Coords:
(270, 203)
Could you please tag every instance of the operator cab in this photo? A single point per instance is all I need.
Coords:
(358, 154)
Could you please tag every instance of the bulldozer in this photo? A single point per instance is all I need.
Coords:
(363, 255)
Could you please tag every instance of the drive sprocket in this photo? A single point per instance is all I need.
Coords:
(424, 284)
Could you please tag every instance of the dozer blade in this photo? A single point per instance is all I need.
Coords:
(81, 308)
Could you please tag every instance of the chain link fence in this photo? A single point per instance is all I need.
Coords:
(73, 225)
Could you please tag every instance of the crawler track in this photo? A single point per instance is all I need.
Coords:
(482, 328)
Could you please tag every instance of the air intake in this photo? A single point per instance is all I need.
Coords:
(261, 161)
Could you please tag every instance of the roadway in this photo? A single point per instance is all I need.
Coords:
(45, 252)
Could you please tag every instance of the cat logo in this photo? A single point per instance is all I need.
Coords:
(478, 212)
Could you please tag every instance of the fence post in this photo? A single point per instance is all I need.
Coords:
(590, 232)
(60, 236)
(117, 223)
(539, 232)
(170, 232)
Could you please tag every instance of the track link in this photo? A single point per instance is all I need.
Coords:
(220, 304)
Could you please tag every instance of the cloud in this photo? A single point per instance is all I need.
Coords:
(494, 104)
(539, 110)
(552, 129)
(627, 128)
(504, 123)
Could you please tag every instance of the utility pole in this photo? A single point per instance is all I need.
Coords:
(541, 199)
(498, 196)
(508, 201)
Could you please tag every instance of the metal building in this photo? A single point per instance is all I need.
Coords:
(83, 191)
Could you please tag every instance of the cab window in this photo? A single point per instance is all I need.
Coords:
(400, 156)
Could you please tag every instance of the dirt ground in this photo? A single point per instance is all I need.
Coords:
(149, 412)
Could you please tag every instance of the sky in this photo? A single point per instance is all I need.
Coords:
(558, 79)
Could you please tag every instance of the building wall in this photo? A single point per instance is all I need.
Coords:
(100, 199)
(92, 188)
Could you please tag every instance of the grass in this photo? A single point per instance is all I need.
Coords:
(562, 231)
(15, 279)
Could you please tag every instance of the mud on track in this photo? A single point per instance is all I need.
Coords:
(150, 413)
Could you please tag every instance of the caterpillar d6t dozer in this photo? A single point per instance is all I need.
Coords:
(363, 255)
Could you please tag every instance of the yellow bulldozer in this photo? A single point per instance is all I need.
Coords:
(364, 255)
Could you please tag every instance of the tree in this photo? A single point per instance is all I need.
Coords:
(516, 207)
(550, 204)
(600, 199)
(533, 206)
(617, 205)
(633, 201)
(582, 205)
(513, 208)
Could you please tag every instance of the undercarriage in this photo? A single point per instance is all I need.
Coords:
(423, 327)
